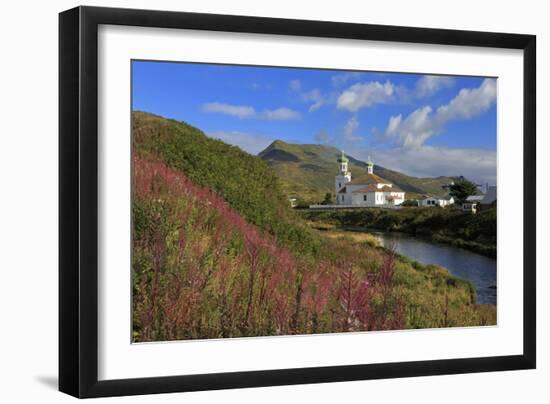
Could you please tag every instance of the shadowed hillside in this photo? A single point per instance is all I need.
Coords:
(307, 171)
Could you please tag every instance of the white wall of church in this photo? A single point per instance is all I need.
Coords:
(341, 181)
(344, 199)
(360, 199)
(370, 198)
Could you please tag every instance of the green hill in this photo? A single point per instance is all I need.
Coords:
(243, 180)
(307, 171)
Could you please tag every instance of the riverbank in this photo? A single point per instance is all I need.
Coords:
(435, 296)
(476, 268)
(475, 233)
(418, 251)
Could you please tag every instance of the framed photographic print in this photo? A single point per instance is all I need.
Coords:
(251, 201)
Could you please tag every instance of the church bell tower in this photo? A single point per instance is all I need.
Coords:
(343, 177)
(370, 166)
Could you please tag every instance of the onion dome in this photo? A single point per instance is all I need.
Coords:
(343, 158)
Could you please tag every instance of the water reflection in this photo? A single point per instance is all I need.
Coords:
(480, 270)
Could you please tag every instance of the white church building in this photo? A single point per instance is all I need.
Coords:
(367, 190)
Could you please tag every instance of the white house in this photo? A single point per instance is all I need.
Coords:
(368, 190)
(436, 201)
(471, 203)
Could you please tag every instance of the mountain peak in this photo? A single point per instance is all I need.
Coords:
(278, 143)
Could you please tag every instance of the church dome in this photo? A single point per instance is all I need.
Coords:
(343, 158)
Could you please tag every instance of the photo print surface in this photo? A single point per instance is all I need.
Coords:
(273, 201)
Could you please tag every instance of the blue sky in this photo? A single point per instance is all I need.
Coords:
(422, 125)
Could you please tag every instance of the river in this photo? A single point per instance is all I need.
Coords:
(478, 269)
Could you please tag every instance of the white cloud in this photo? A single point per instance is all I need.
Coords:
(393, 125)
(423, 123)
(244, 111)
(478, 165)
(341, 79)
(322, 137)
(414, 130)
(429, 85)
(362, 95)
(349, 130)
(250, 143)
(319, 99)
(469, 102)
(295, 85)
(240, 111)
(315, 97)
(412, 156)
(280, 114)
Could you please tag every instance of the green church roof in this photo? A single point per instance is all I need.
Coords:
(343, 158)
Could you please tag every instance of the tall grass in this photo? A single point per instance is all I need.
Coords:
(200, 270)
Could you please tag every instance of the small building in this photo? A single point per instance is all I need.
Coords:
(475, 203)
(469, 207)
(471, 203)
(432, 201)
(367, 190)
(293, 202)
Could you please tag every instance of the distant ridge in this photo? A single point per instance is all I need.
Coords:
(307, 171)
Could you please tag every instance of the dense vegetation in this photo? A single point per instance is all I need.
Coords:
(210, 261)
(244, 181)
(451, 226)
(462, 189)
(307, 171)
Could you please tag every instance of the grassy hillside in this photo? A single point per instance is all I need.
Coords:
(217, 252)
(244, 181)
(308, 170)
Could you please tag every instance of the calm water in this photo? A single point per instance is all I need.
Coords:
(480, 270)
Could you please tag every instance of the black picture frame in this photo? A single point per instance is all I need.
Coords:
(78, 201)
